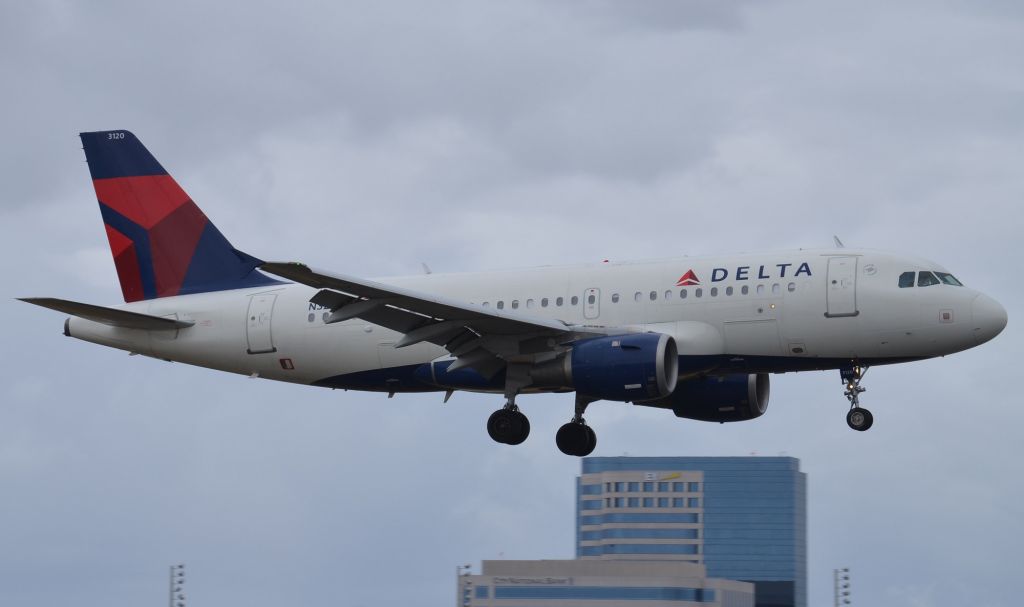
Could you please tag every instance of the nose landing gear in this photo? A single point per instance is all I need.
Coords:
(858, 418)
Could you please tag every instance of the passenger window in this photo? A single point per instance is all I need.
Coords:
(698, 293)
(714, 291)
(760, 289)
(744, 289)
(949, 279)
(544, 302)
(668, 295)
(591, 299)
(654, 295)
(615, 298)
(559, 301)
(486, 304)
(906, 280)
(515, 304)
(501, 305)
(775, 289)
(682, 293)
(791, 287)
(926, 279)
(575, 300)
(638, 296)
(529, 303)
(728, 290)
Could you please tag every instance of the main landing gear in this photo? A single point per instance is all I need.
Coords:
(576, 437)
(859, 418)
(508, 425)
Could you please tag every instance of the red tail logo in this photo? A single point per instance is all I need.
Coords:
(688, 279)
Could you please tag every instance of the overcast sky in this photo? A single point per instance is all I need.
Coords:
(371, 137)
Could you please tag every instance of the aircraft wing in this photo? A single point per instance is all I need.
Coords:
(481, 338)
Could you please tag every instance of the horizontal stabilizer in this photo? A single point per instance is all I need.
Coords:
(110, 316)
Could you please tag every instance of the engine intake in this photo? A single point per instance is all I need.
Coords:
(727, 398)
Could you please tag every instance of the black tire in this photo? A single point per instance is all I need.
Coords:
(860, 419)
(497, 426)
(520, 428)
(575, 439)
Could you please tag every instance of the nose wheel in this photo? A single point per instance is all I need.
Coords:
(858, 418)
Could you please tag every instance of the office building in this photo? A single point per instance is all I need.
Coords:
(573, 583)
(743, 518)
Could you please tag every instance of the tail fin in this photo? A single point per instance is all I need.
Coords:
(162, 243)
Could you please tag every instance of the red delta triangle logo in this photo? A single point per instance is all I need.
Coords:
(688, 279)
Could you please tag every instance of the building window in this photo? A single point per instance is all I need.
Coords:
(634, 502)
(694, 487)
(648, 487)
(619, 502)
(663, 486)
(678, 502)
(648, 502)
(663, 502)
(620, 487)
(607, 487)
(633, 487)
(694, 502)
(679, 487)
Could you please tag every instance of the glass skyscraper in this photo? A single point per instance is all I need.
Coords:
(744, 518)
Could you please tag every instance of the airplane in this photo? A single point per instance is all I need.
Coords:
(695, 335)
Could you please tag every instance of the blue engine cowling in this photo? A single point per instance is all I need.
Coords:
(727, 398)
(632, 367)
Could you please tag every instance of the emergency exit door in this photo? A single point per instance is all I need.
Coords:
(842, 287)
(260, 337)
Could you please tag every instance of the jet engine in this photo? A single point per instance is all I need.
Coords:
(635, 367)
(727, 398)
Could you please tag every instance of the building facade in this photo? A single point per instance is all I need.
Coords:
(743, 518)
(579, 583)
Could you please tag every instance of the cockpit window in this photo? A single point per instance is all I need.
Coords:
(949, 279)
(907, 279)
(926, 279)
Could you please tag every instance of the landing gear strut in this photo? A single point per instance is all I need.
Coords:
(858, 418)
(509, 425)
(576, 437)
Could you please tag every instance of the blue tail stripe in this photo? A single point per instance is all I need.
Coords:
(118, 154)
(217, 266)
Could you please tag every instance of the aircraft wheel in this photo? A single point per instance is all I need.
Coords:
(508, 427)
(860, 419)
(576, 439)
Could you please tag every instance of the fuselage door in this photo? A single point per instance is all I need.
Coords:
(841, 291)
(591, 303)
(258, 334)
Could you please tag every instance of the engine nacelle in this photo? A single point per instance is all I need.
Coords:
(728, 398)
(634, 367)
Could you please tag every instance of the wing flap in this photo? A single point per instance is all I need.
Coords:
(110, 316)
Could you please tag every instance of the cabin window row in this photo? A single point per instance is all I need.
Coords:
(652, 296)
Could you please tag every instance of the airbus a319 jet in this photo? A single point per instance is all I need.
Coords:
(696, 336)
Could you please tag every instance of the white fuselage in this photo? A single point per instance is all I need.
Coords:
(770, 312)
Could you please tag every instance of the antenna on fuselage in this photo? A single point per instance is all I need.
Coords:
(839, 243)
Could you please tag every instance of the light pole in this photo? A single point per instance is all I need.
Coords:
(462, 590)
(176, 590)
(841, 586)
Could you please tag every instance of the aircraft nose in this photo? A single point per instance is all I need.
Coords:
(989, 318)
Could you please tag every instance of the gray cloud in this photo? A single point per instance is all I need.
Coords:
(369, 137)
